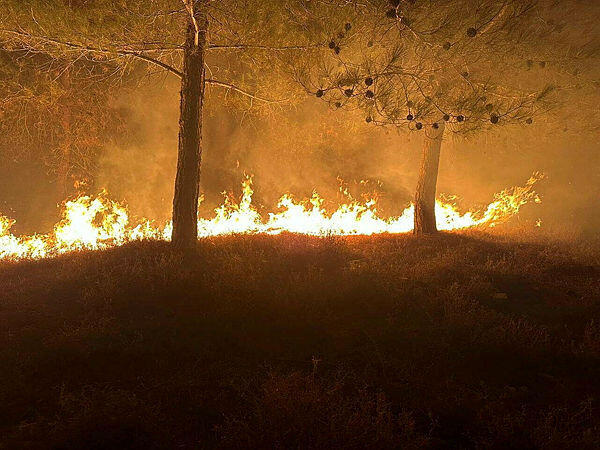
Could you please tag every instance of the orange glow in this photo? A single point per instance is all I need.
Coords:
(99, 223)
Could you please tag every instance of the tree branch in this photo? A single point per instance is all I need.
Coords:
(91, 49)
(190, 7)
(154, 61)
(261, 47)
(240, 90)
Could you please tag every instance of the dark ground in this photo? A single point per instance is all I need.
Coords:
(457, 341)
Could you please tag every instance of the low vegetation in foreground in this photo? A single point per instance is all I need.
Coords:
(455, 341)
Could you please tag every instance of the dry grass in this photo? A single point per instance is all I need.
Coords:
(297, 342)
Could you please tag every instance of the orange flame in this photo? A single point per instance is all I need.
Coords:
(99, 223)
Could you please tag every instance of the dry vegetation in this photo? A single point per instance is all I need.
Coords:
(300, 342)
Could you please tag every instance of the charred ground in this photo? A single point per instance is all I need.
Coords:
(460, 340)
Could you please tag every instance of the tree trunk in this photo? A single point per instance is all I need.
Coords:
(426, 186)
(185, 202)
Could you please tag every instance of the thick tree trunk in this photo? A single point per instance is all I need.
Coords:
(426, 186)
(185, 202)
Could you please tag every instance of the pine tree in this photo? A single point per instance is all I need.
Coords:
(440, 67)
(228, 45)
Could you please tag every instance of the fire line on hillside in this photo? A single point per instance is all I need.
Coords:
(92, 223)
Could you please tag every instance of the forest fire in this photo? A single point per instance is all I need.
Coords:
(334, 296)
(97, 222)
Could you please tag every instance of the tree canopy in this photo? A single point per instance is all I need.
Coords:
(242, 37)
(472, 63)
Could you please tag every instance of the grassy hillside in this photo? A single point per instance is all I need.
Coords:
(455, 341)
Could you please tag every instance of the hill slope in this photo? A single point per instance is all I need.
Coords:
(291, 341)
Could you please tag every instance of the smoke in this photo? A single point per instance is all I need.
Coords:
(310, 147)
(139, 168)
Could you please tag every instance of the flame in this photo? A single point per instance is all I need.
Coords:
(100, 223)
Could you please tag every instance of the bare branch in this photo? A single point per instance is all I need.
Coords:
(240, 90)
(261, 47)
